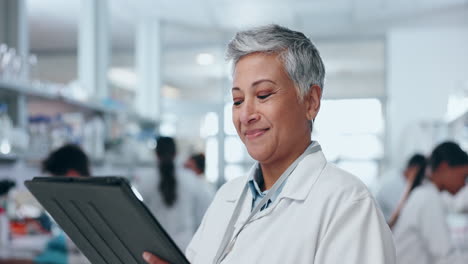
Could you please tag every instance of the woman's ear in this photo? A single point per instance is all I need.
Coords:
(312, 101)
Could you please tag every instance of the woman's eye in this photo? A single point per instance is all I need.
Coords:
(263, 96)
(237, 102)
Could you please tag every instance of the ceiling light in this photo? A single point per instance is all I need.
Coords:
(5, 147)
(205, 59)
(170, 92)
(125, 78)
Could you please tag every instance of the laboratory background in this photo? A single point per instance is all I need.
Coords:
(113, 76)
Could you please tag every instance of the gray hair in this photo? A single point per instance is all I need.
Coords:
(300, 57)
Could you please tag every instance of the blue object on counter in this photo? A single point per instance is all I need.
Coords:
(56, 251)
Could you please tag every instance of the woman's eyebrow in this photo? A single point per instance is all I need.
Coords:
(261, 81)
(254, 84)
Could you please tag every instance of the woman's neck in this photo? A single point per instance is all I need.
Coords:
(273, 170)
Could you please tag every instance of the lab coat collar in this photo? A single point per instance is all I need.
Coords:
(305, 175)
(234, 192)
(297, 186)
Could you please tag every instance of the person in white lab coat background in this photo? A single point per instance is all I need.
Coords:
(415, 173)
(459, 203)
(292, 206)
(421, 233)
(392, 187)
(173, 194)
(196, 163)
(68, 160)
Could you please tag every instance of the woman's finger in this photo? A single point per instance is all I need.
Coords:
(152, 259)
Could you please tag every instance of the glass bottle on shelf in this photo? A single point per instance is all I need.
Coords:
(33, 74)
(6, 126)
(39, 134)
(7, 62)
(3, 53)
(17, 67)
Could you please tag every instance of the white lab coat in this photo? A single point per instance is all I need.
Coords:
(183, 218)
(323, 215)
(461, 200)
(422, 234)
(457, 203)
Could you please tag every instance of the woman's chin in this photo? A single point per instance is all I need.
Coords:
(258, 154)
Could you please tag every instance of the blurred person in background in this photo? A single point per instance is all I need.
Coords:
(5, 187)
(422, 234)
(293, 206)
(196, 163)
(67, 161)
(173, 194)
(414, 174)
(394, 185)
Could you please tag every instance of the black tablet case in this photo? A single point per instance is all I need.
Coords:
(105, 219)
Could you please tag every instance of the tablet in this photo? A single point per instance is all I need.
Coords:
(105, 219)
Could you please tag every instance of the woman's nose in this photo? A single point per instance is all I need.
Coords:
(248, 113)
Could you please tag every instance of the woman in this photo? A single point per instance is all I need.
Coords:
(414, 175)
(173, 194)
(293, 206)
(422, 234)
(67, 161)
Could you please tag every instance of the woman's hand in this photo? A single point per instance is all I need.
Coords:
(152, 259)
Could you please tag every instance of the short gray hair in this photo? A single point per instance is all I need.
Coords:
(300, 57)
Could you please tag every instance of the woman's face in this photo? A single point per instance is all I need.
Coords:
(269, 117)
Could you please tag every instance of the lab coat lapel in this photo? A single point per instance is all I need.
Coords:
(303, 178)
(233, 196)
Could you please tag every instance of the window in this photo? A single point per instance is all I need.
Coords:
(209, 131)
(211, 170)
(351, 132)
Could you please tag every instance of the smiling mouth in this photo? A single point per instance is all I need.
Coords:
(252, 134)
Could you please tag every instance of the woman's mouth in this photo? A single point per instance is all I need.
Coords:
(255, 133)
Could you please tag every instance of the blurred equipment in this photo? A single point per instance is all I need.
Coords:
(5, 186)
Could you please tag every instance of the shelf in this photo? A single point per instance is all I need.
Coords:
(123, 163)
(35, 93)
(28, 91)
(96, 162)
(8, 158)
